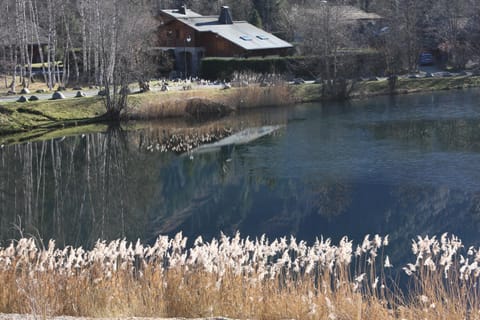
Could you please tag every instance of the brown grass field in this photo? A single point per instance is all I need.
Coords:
(240, 278)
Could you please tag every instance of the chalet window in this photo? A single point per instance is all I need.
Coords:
(261, 37)
(246, 38)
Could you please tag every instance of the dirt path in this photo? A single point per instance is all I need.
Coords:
(31, 317)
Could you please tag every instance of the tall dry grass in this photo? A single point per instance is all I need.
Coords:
(174, 104)
(254, 96)
(240, 278)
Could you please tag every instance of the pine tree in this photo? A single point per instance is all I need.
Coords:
(255, 18)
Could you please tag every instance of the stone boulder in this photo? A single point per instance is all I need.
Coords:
(298, 81)
(40, 91)
(80, 94)
(11, 93)
(25, 91)
(102, 93)
(58, 96)
(33, 98)
(22, 99)
(62, 89)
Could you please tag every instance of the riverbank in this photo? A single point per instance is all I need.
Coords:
(22, 121)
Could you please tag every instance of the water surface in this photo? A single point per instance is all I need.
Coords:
(404, 166)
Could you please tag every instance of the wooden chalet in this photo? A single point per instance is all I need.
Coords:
(191, 36)
(9, 40)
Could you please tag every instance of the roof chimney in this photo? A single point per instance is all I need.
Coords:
(182, 9)
(225, 16)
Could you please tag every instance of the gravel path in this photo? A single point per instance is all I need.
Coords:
(31, 317)
(70, 93)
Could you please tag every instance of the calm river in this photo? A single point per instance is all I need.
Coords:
(404, 166)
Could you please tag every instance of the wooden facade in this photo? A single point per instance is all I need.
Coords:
(174, 33)
(190, 37)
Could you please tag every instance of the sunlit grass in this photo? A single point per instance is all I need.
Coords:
(240, 278)
(31, 116)
(174, 103)
(404, 85)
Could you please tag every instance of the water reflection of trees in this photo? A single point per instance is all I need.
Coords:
(73, 189)
(448, 134)
(106, 185)
(79, 189)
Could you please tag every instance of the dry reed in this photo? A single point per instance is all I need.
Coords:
(240, 278)
(174, 104)
(254, 96)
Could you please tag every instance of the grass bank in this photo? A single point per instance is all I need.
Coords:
(241, 278)
(40, 117)
(23, 121)
(19, 121)
(364, 89)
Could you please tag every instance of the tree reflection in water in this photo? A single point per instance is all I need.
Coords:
(105, 185)
(369, 173)
(75, 189)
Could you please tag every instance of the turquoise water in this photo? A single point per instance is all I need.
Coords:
(404, 166)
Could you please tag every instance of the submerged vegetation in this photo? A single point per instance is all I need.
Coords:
(241, 278)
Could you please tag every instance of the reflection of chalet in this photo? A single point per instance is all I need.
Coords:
(192, 36)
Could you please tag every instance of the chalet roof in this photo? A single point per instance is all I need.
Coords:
(8, 38)
(241, 33)
(351, 13)
(354, 13)
(177, 14)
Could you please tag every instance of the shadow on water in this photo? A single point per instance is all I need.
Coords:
(403, 167)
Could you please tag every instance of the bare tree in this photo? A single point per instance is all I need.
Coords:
(69, 45)
(32, 4)
(324, 34)
(124, 41)
(473, 31)
(451, 19)
(408, 25)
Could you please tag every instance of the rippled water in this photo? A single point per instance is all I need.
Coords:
(404, 166)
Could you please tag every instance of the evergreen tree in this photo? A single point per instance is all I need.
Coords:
(255, 18)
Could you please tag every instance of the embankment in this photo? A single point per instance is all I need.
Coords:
(21, 121)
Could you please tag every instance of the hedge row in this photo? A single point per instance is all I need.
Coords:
(352, 65)
(223, 68)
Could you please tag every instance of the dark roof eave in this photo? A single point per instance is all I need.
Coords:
(272, 48)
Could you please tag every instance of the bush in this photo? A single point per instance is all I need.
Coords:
(224, 68)
(351, 65)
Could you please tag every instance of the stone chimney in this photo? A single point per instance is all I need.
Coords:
(182, 10)
(225, 16)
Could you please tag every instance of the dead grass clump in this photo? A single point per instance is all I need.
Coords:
(157, 109)
(254, 96)
(240, 278)
(203, 102)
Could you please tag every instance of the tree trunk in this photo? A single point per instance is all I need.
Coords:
(34, 14)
